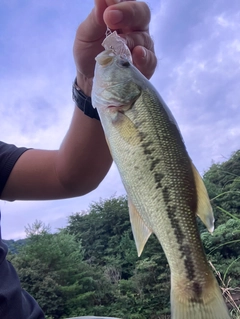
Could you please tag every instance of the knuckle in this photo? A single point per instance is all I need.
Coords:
(143, 9)
(148, 41)
(139, 38)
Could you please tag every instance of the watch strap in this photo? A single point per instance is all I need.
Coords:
(83, 102)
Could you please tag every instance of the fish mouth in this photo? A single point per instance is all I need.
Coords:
(115, 107)
(120, 108)
(105, 58)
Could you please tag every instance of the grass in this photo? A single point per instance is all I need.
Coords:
(227, 293)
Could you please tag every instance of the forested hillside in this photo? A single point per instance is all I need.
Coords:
(91, 267)
(14, 245)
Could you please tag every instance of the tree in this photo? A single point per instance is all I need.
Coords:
(52, 270)
(223, 250)
(106, 236)
(223, 185)
(139, 285)
(46, 265)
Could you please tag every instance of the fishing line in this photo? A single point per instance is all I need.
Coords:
(116, 44)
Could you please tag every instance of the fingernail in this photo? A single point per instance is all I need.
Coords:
(115, 16)
(144, 52)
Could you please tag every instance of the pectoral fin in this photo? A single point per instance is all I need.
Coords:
(141, 232)
(126, 129)
(204, 208)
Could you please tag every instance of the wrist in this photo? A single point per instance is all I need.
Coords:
(84, 83)
(83, 102)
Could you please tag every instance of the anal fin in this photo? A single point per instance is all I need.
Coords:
(141, 232)
(204, 208)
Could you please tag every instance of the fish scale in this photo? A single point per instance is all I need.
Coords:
(164, 189)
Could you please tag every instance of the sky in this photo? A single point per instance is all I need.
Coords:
(197, 44)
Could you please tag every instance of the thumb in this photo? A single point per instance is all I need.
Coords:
(98, 13)
(93, 27)
(89, 37)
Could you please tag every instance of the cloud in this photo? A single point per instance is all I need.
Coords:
(199, 73)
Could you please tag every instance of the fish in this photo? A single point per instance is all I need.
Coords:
(165, 191)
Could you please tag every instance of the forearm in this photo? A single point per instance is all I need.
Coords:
(83, 158)
(75, 169)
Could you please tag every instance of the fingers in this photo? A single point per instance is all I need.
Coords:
(89, 36)
(145, 60)
(101, 5)
(111, 2)
(138, 38)
(130, 15)
(94, 26)
(131, 19)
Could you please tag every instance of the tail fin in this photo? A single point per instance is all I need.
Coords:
(211, 306)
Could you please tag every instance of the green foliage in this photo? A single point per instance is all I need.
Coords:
(223, 185)
(14, 245)
(223, 249)
(46, 265)
(106, 236)
(41, 283)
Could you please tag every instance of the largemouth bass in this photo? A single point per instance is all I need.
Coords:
(165, 191)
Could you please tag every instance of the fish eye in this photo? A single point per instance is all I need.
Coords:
(125, 63)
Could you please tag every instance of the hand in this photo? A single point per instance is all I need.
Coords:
(131, 20)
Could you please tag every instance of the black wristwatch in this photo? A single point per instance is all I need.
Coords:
(83, 102)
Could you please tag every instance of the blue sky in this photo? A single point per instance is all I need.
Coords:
(198, 75)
